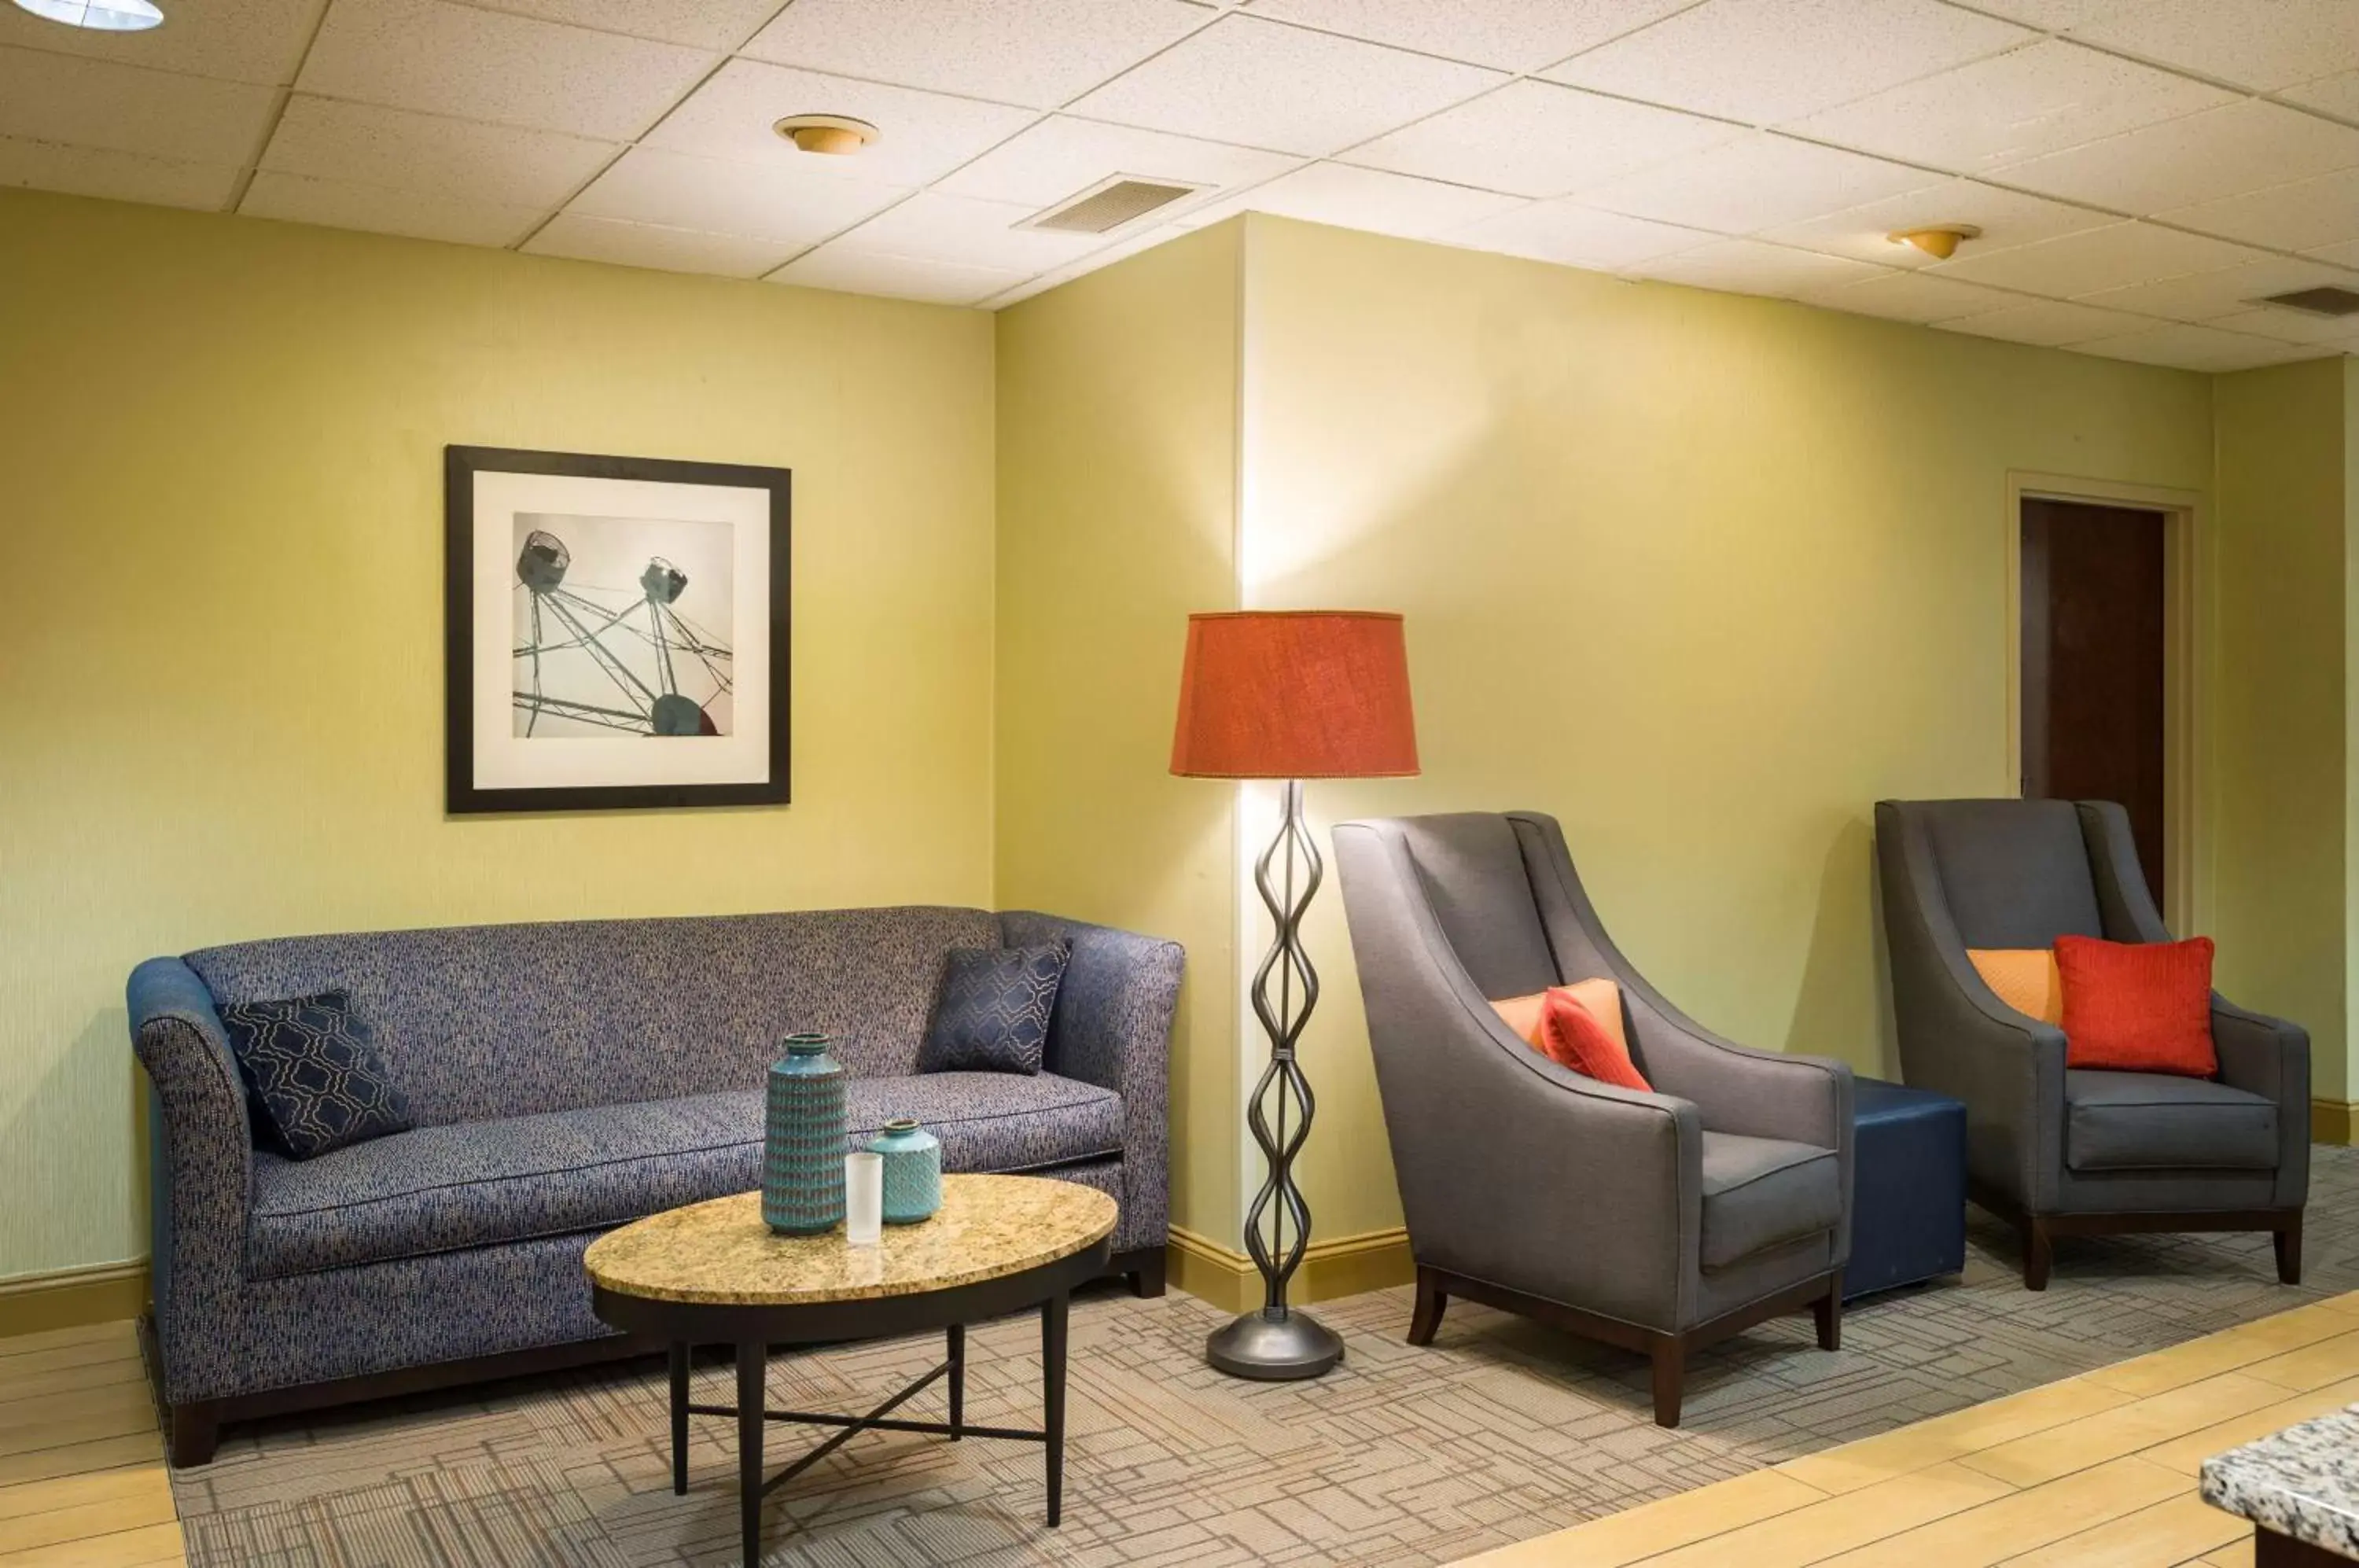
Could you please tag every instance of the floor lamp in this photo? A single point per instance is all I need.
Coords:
(1289, 694)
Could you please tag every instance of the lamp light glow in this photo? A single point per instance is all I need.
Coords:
(98, 15)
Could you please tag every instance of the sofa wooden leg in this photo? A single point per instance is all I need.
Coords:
(2289, 1243)
(1430, 1303)
(2038, 1253)
(1147, 1280)
(1671, 1355)
(192, 1432)
(1828, 1311)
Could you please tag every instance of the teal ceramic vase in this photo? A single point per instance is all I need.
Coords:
(913, 1170)
(803, 1140)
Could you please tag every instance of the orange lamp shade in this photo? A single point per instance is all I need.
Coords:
(1295, 694)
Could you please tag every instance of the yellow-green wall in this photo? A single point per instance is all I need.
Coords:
(221, 700)
(2279, 737)
(1117, 506)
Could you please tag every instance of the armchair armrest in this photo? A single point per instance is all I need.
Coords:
(1113, 1028)
(2270, 1057)
(204, 1179)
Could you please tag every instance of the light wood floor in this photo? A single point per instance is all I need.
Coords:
(2095, 1472)
(81, 1464)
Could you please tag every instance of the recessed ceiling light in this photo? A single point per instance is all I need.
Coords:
(1939, 242)
(99, 16)
(835, 134)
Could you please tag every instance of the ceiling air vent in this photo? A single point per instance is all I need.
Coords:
(1109, 204)
(2329, 301)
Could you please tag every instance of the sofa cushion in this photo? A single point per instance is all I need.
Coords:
(314, 1084)
(1759, 1192)
(479, 1183)
(994, 1011)
(2159, 1121)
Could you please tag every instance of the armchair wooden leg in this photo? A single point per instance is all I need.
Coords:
(2289, 1243)
(1828, 1311)
(192, 1433)
(1671, 1355)
(2038, 1253)
(1430, 1303)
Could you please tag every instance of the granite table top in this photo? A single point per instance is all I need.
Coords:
(721, 1253)
(2303, 1482)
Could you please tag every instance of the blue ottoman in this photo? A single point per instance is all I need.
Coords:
(1908, 1191)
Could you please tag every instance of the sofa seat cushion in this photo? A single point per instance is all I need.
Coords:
(438, 1189)
(2160, 1121)
(1760, 1193)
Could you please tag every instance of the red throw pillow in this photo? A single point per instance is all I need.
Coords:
(2138, 1007)
(1572, 1036)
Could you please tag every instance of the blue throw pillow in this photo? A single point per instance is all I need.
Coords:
(993, 1013)
(312, 1073)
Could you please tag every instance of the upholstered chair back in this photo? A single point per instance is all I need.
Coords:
(2013, 873)
(1471, 870)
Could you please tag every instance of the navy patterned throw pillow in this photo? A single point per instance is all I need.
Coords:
(993, 1013)
(311, 1073)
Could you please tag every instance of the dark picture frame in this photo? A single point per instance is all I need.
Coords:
(464, 583)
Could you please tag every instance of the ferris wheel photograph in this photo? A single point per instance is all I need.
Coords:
(622, 627)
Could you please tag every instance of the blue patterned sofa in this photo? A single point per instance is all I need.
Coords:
(567, 1078)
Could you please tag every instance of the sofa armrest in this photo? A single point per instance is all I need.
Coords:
(1112, 1028)
(205, 1149)
(2270, 1057)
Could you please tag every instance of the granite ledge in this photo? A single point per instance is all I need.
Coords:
(2302, 1482)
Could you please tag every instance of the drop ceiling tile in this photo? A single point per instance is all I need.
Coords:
(1912, 297)
(1574, 235)
(2301, 215)
(1366, 199)
(2043, 98)
(2344, 255)
(1040, 53)
(122, 108)
(2184, 347)
(653, 244)
(2084, 263)
(1093, 262)
(2006, 218)
(2227, 291)
(1534, 138)
(1060, 156)
(2049, 323)
(2337, 95)
(1288, 89)
(720, 24)
(441, 59)
(1755, 183)
(2290, 326)
(2259, 45)
(837, 267)
(116, 176)
(648, 185)
(961, 230)
(1513, 35)
(235, 40)
(1749, 266)
(380, 209)
(333, 140)
(923, 137)
(2197, 157)
(1768, 61)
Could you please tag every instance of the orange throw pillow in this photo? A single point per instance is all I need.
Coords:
(2024, 979)
(1572, 1036)
(2138, 1007)
(1602, 997)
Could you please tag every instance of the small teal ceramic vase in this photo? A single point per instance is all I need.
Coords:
(913, 1171)
(803, 1140)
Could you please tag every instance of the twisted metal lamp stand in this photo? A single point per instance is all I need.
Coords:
(1279, 1343)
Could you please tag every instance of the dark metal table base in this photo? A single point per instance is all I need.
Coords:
(752, 1413)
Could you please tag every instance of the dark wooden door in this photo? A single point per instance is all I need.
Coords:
(2093, 663)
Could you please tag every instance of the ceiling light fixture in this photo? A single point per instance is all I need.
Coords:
(1939, 242)
(99, 16)
(833, 133)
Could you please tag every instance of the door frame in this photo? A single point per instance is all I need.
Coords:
(2186, 895)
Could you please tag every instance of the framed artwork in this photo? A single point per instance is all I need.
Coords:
(615, 632)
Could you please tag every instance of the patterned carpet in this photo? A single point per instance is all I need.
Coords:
(1501, 1432)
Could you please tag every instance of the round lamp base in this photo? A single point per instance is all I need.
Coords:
(1275, 1349)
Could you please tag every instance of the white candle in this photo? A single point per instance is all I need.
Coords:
(863, 1198)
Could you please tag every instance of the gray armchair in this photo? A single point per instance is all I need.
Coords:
(2067, 1151)
(1656, 1222)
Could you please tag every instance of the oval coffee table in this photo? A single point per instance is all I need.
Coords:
(714, 1274)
